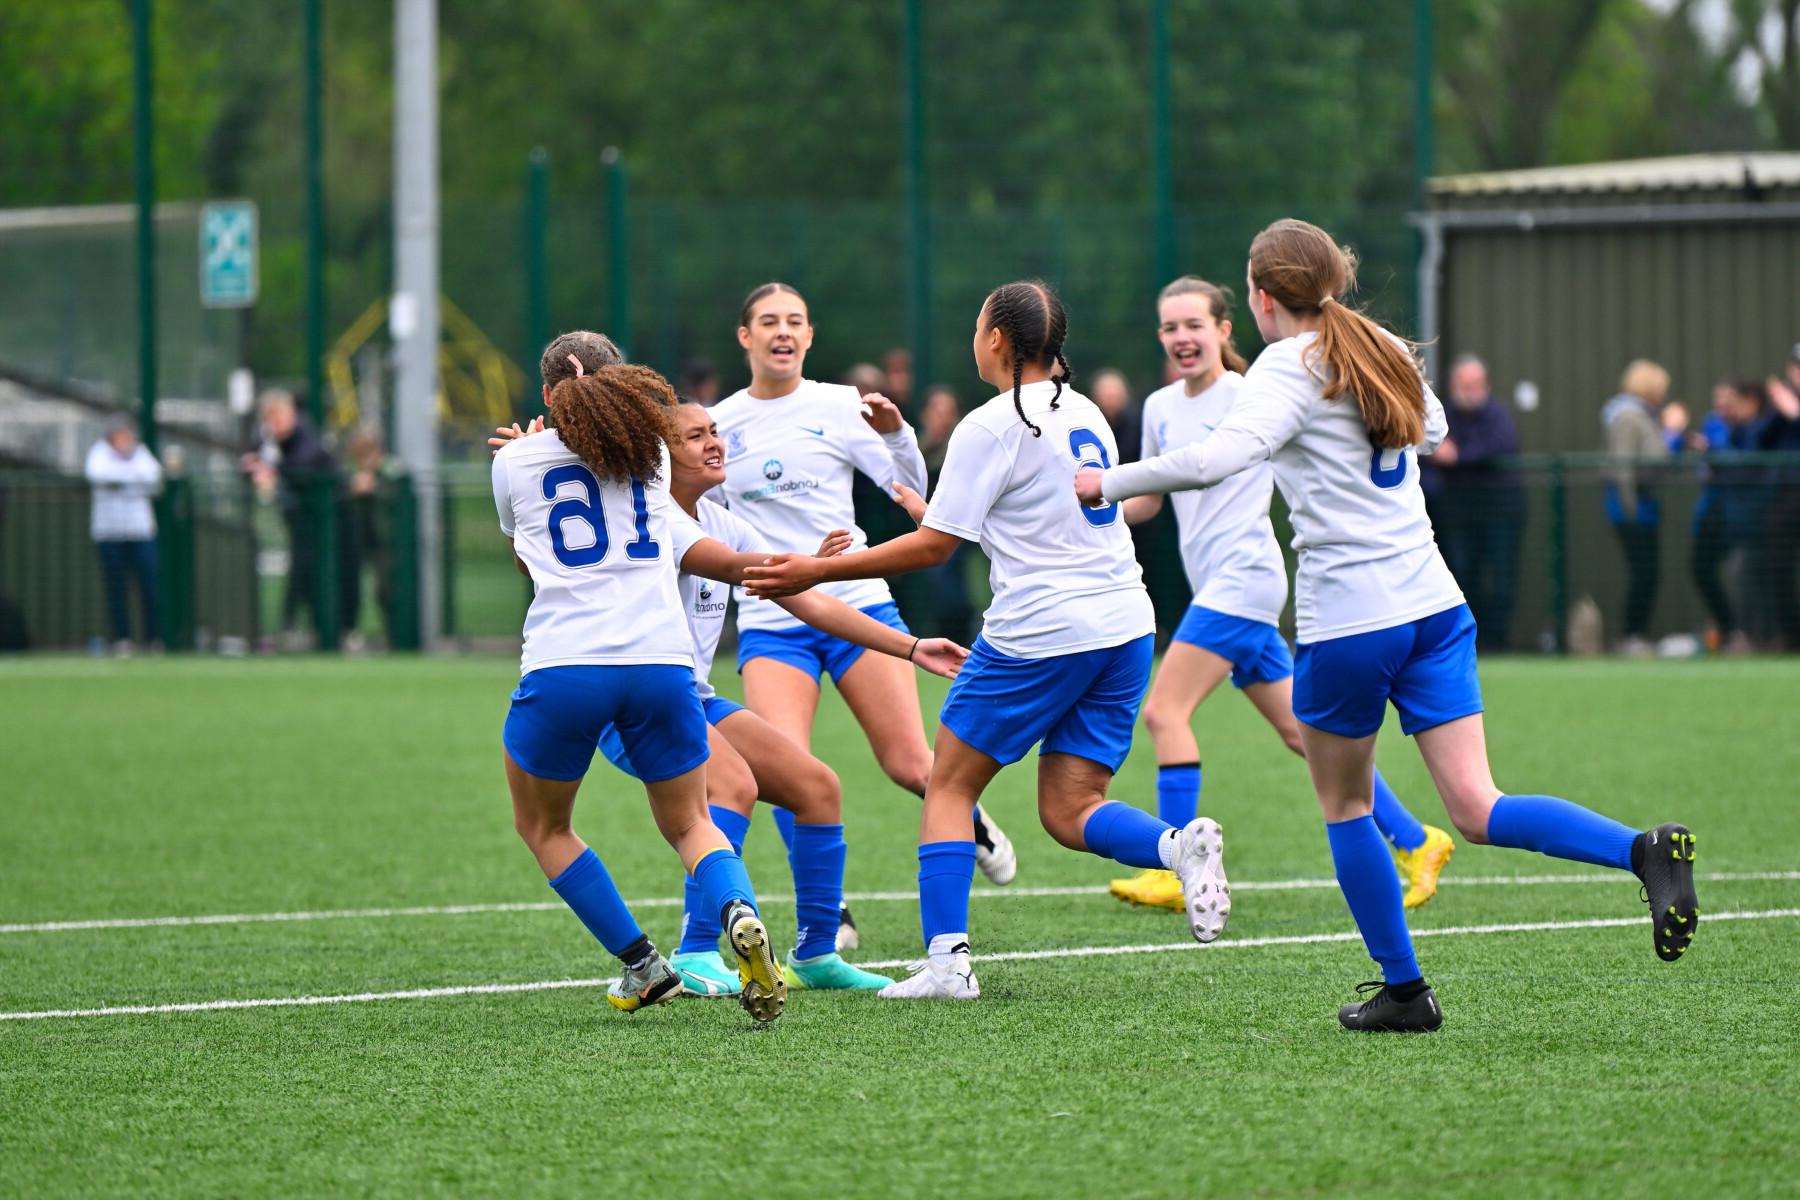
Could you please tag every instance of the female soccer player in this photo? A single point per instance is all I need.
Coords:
(1340, 407)
(792, 447)
(751, 760)
(586, 509)
(1234, 564)
(1065, 647)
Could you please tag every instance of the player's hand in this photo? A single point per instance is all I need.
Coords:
(1446, 454)
(783, 575)
(835, 543)
(940, 656)
(882, 414)
(1087, 487)
(1783, 398)
(911, 501)
(503, 434)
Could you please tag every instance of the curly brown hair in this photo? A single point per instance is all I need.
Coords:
(593, 350)
(616, 420)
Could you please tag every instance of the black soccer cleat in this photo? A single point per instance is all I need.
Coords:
(1385, 1013)
(1664, 859)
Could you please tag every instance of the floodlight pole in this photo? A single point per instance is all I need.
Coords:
(918, 201)
(413, 309)
(322, 492)
(1163, 153)
(144, 137)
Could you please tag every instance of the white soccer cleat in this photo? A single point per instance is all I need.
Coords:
(847, 937)
(1200, 865)
(994, 851)
(936, 981)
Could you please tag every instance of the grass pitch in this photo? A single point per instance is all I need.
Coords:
(337, 792)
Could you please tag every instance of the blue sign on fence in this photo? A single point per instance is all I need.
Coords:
(228, 253)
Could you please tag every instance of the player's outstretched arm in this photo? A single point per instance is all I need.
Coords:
(710, 558)
(504, 434)
(830, 615)
(785, 574)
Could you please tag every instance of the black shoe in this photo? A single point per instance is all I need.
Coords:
(1665, 862)
(1383, 1013)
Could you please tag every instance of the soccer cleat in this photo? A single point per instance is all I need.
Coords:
(1666, 867)
(994, 851)
(830, 973)
(1384, 1013)
(653, 981)
(954, 980)
(1200, 866)
(704, 973)
(764, 991)
(1421, 867)
(847, 937)
(1155, 888)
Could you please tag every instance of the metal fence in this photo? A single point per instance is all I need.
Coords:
(242, 572)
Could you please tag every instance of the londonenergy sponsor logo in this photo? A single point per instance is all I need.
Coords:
(785, 487)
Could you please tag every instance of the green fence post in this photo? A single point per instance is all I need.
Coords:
(618, 250)
(918, 202)
(1162, 145)
(403, 615)
(447, 559)
(537, 274)
(1558, 543)
(178, 564)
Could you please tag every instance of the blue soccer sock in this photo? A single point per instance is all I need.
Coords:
(723, 880)
(817, 860)
(784, 825)
(1561, 830)
(1125, 834)
(946, 872)
(1365, 873)
(1178, 793)
(588, 890)
(1397, 825)
(700, 920)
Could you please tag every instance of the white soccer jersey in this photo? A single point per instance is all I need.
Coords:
(789, 464)
(1063, 575)
(704, 599)
(1367, 557)
(1228, 546)
(601, 559)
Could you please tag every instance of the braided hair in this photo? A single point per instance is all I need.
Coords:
(1031, 316)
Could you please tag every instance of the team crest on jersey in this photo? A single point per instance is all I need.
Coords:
(772, 469)
(734, 443)
(706, 589)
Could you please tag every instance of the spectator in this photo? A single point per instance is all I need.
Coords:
(700, 381)
(125, 476)
(364, 529)
(897, 377)
(1780, 431)
(948, 583)
(867, 379)
(1728, 516)
(1111, 393)
(296, 467)
(1634, 441)
(1482, 503)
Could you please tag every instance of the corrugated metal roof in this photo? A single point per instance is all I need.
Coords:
(1686, 171)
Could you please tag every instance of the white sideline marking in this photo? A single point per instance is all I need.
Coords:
(548, 985)
(984, 893)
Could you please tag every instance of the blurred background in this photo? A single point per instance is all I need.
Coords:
(270, 273)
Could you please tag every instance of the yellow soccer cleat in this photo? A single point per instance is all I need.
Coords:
(1150, 889)
(1420, 868)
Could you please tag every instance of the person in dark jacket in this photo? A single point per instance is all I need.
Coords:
(1481, 500)
(1780, 432)
(1728, 517)
(295, 464)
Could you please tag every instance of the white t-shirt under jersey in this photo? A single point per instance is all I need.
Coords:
(1228, 546)
(1064, 576)
(789, 465)
(704, 599)
(601, 559)
(1368, 560)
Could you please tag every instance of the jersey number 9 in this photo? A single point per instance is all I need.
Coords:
(1090, 451)
(586, 509)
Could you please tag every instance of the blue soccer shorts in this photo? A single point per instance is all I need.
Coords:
(1084, 704)
(716, 709)
(1256, 650)
(1425, 668)
(559, 713)
(807, 649)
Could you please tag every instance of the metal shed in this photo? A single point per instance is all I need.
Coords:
(1559, 276)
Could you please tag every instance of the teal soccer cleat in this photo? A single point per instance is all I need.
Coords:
(829, 972)
(704, 973)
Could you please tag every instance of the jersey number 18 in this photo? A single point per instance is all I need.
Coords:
(586, 509)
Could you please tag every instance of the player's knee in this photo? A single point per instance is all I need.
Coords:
(1469, 808)
(818, 794)
(734, 790)
(1161, 717)
(535, 828)
(1290, 737)
(908, 770)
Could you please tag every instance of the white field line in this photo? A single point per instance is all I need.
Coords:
(548, 985)
(984, 893)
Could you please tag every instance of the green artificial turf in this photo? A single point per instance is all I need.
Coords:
(1571, 1062)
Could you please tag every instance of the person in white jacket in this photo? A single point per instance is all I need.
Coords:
(125, 477)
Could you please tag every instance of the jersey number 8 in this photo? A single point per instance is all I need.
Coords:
(1090, 451)
(586, 509)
